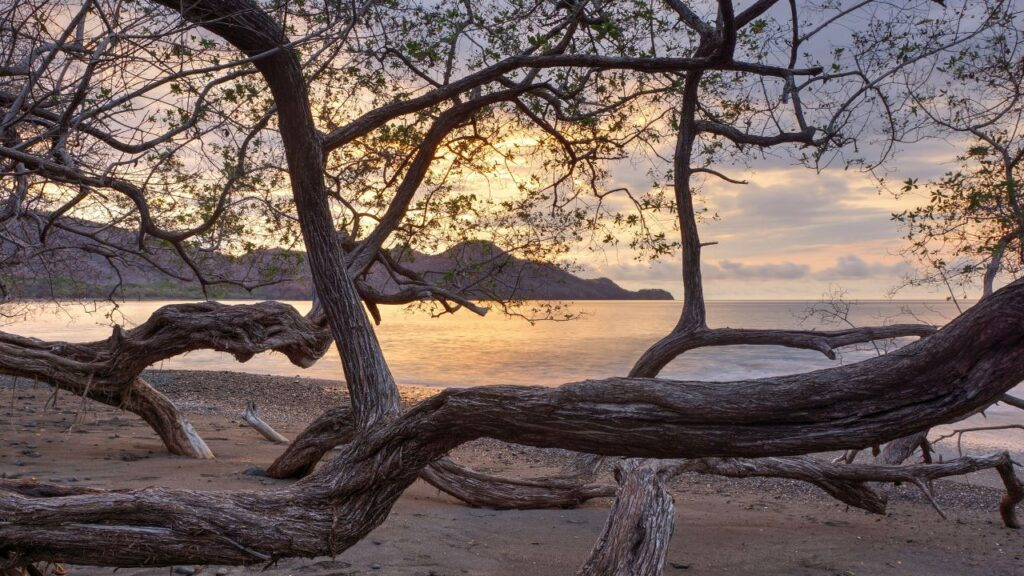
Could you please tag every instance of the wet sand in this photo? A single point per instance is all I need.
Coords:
(723, 526)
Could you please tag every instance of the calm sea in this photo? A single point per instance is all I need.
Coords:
(467, 350)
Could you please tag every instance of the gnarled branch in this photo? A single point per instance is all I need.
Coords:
(107, 371)
(967, 364)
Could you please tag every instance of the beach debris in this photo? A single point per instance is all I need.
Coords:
(252, 418)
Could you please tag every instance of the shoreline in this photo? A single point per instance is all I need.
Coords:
(723, 526)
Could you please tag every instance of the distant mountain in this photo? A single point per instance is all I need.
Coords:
(478, 269)
(483, 270)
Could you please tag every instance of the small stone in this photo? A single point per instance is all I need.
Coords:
(375, 566)
(680, 566)
(19, 463)
(186, 570)
(221, 571)
(254, 471)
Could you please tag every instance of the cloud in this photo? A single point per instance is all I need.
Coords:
(789, 212)
(657, 271)
(847, 267)
(852, 266)
(731, 270)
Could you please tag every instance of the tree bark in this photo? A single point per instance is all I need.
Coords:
(634, 541)
(968, 364)
(250, 29)
(499, 493)
(166, 420)
(655, 358)
(108, 371)
(334, 428)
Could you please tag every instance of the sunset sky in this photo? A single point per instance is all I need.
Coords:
(791, 233)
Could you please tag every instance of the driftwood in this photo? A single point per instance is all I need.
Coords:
(108, 371)
(967, 364)
(252, 418)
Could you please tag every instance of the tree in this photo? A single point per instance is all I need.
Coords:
(971, 225)
(136, 141)
(962, 367)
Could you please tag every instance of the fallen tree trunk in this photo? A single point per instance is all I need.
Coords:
(333, 427)
(966, 365)
(107, 371)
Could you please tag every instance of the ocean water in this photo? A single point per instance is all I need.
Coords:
(468, 350)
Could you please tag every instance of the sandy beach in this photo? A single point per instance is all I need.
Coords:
(723, 526)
